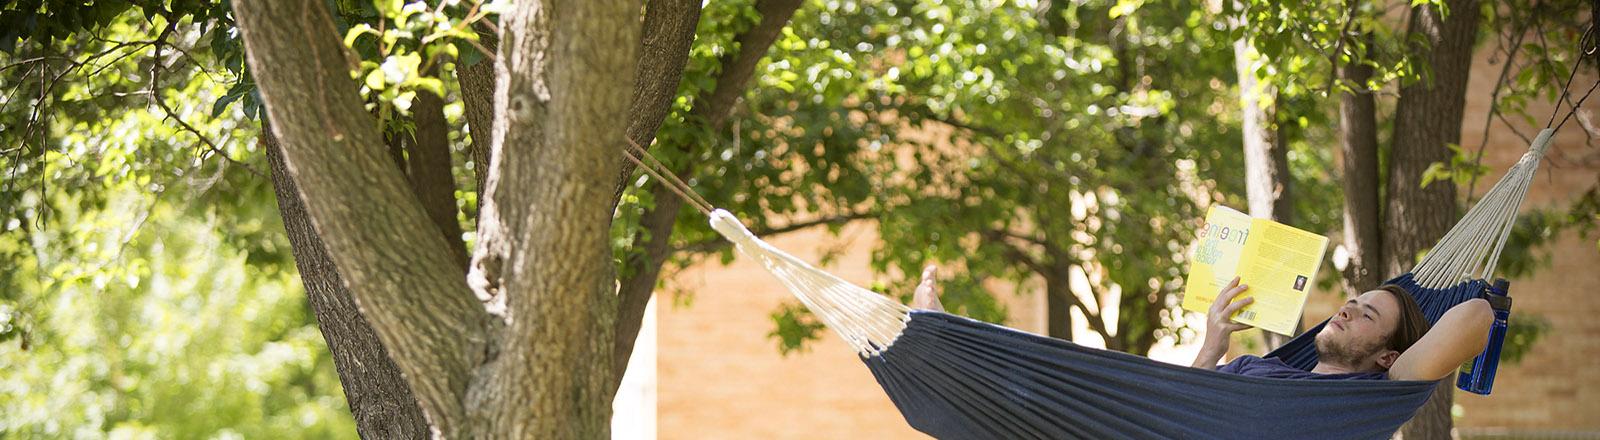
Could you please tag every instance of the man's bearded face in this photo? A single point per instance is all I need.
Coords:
(1360, 331)
(1348, 349)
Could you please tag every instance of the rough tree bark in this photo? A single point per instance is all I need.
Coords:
(542, 265)
(713, 107)
(477, 102)
(383, 403)
(1358, 143)
(378, 396)
(667, 34)
(395, 265)
(380, 400)
(1428, 119)
(663, 52)
(428, 171)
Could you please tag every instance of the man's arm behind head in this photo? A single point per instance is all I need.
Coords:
(1458, 336)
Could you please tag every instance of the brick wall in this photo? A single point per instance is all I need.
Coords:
(1555, 387)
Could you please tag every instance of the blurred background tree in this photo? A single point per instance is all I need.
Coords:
(148, 291)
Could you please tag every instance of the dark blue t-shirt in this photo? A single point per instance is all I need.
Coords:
(1275, 368)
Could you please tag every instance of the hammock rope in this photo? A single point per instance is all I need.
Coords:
(666, 176)
(1472, 247)
(867, 321)
(1588, 46)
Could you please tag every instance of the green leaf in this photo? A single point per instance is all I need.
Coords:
(222, 104)
(374, 79)
(356, 32)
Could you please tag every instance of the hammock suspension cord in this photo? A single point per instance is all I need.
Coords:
(867, 321)
(666, 176)
(1473, 245)
(1588, 46)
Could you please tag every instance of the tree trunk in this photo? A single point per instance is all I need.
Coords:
(667, 34)
(1266, 155)
(1058, 306)
(543, 263)
(1358, 128)
(393, 261)
(377, 394)
(1428, 120)
(473, 368)
(1265, 162)
(636, 288)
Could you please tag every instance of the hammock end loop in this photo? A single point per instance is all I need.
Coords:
(1541, 143)
(730, 227)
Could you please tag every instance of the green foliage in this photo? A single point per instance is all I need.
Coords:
(795, 326)
(1526, 250)
(959, 122)
(149, 291)
(148, 318)
(1079, 143)
(48, 21)
(1584, 215)
(155, 327)
(405, 46)
(1522, 331)
(1462, 169)
(1534, 45)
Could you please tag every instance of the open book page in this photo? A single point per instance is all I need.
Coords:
(1218, 247)
(1277, 261)
(1279, 264)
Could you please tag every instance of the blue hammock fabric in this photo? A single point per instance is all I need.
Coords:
(957, 378)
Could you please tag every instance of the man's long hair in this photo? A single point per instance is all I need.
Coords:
(1413, 324)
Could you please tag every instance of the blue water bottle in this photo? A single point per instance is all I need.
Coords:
(1477, 376)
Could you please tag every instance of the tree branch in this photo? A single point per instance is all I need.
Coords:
(663, 52)
(718, 244)
(738, 67)
(428, 171)
(642, 271)
(477, 100)
(1017, 255)
(1494, 100)
(374, 388)
(376, 232)
(713, 107)
(1344, 32)
(156, 67)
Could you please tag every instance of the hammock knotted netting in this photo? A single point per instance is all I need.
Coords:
(954, 377)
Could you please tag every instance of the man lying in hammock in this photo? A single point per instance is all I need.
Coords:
(1381, 334)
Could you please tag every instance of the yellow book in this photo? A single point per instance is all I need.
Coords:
(1277, 261)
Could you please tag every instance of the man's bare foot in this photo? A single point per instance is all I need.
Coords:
(927, 294)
